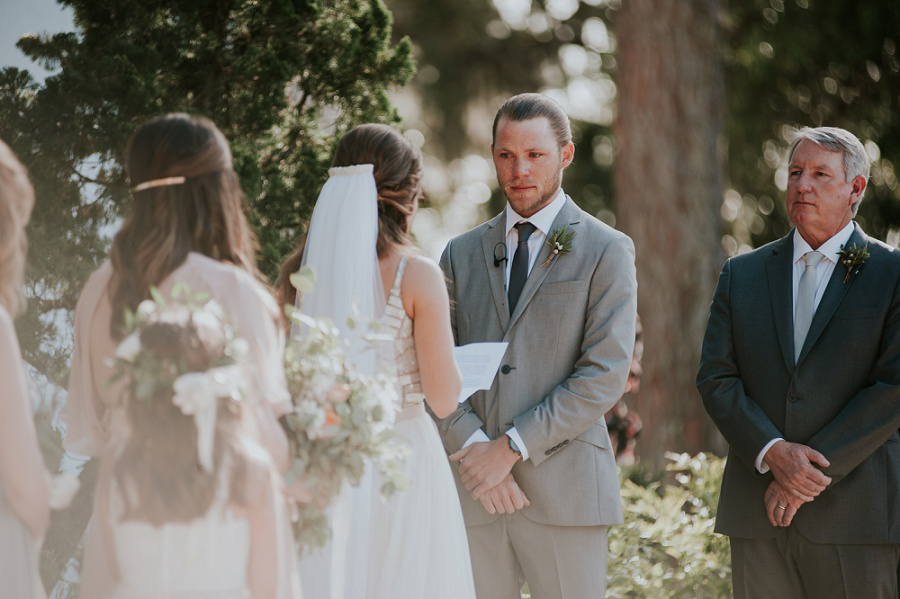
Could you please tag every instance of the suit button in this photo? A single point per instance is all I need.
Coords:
(505, 369)
(792, 397)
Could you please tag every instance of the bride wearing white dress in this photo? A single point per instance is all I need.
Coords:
(412, 545)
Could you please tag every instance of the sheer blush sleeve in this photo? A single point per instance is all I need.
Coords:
(258, 322)
(23, 477)
(86, 412)
(254, 314)
(272, 565)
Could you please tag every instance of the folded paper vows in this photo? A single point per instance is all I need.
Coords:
(478, 363)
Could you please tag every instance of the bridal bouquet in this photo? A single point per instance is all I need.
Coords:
(340, 421)
(184, 351)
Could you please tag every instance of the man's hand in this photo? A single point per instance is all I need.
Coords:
(482, 466)
(505, 498)
(781, 506)
(792, 466)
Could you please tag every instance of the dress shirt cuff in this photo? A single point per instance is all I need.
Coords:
(479, 436)
(761, 466)
(514, 435)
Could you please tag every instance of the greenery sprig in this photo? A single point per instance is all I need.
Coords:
(560, 242)
(853, 258)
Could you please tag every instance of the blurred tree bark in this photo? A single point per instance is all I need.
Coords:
(668, 181)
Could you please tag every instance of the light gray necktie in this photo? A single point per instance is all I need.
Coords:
(806, 300)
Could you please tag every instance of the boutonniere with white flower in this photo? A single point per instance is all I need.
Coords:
(853, 258)
(560, 242)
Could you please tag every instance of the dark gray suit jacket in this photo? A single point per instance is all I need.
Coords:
(570, 338)
(842, 397)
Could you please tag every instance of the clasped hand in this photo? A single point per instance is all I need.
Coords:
(485, 469)
(792, 464)
(797, 480)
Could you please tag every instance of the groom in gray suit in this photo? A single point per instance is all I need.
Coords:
(800, 370)
(537, 478)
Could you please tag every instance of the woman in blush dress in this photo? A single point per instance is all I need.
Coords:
(24, 482)
(185, 225)
(412, 545)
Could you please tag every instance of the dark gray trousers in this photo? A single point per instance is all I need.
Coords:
(790, 567)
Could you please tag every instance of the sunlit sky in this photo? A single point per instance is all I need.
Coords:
(21, 17)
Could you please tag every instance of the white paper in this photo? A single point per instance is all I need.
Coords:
(478, 363)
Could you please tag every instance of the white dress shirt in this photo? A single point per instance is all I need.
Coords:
(543, 221)
(825, 268)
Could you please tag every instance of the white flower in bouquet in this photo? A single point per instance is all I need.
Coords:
(340, 421)
(146, 309)
(129, 348)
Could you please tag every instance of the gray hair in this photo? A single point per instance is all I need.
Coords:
(834, 139)
(524, 107)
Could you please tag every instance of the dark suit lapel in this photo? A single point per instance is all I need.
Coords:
(496, 274)
(778, 267)
(569, 215)
(831, 299)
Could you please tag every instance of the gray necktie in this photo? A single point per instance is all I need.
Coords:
(806, 300)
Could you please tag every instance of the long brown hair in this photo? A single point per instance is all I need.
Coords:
(16, 202)
(398, 177)
(158, 474)
(204, 214)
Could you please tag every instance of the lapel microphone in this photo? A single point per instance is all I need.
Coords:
(502, 253)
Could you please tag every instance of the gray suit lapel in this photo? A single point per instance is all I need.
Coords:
(569, 215)
(778, 267)
(831, 299)
(496, 275)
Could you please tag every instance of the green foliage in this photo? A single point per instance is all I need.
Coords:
(794, 63)
(667, 547)
(282, 79)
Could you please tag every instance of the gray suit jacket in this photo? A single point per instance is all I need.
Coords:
(842, 397)
(570, 342)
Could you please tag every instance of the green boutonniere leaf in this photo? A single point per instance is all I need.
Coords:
(853, 258)
(560, 242)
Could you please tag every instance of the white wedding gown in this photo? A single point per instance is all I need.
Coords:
(205, 558)
(416, 539)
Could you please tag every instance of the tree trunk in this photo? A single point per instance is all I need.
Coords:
(668, 182)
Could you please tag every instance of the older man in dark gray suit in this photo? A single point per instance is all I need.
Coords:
(537, 476)
(800, 370)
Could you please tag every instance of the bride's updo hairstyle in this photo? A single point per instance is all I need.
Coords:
(16, 201)
(398, 178)
(186, 198)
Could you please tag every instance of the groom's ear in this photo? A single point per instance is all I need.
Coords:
(568, 154)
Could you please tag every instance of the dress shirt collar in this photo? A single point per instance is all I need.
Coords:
(829, 249)
(542, 219)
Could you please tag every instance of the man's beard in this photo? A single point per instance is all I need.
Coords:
(542, 201)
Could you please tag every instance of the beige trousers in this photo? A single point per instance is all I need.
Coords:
(557, 562)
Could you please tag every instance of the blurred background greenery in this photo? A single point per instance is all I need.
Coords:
(681, 111)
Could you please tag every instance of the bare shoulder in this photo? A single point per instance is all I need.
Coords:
(423, 282)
